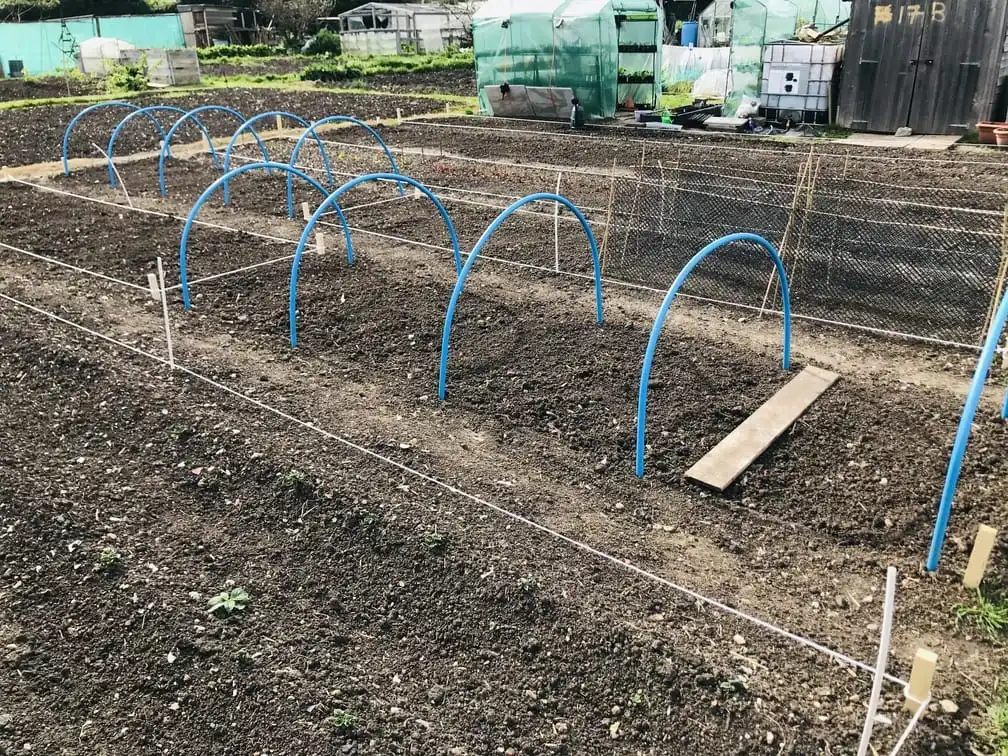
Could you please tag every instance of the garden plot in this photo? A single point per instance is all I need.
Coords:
(46, 123)
(539, 420)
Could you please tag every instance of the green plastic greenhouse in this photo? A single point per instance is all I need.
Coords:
(532, 55)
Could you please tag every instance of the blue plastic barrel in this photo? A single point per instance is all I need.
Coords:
(690, 31)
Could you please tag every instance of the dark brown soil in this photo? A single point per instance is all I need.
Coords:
(430, 622)
(35, 134)
(43, 88)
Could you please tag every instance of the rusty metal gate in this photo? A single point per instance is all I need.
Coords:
(931, 65)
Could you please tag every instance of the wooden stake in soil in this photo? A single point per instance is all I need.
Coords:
(556, 226)
(155, 290)
(306, 211)
(164, 311)
(279, 123)
(982, 548)
(609, 214)
(918, 690)
(398, 115)
(320, 242)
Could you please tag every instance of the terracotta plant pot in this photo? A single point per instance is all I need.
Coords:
(985, 131)
(1001, 137)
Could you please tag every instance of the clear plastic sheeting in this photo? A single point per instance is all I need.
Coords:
(757, 23)
(567, 45)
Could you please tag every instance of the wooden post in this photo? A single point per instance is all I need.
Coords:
(556, 227)
(320, 242)
(305, 211)
(918, 690)
(279, 123)
(982, 548)
(398, 115)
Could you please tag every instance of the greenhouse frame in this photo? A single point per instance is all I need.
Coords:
(532, 56)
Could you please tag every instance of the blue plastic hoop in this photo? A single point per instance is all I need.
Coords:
(331, 201)
(241, 129)
(213, 152)
(460, 283)
(145, 111)
(310, 131)
(100, 105)
(642, 393)
(184, 244)
(963, 433)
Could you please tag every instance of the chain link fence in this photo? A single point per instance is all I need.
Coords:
(920, 261)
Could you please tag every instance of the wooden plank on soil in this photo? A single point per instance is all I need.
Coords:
(719, 468)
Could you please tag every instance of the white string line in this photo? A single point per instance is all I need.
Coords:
(579, 545)
(695, 297)
(85, 329)
(115, 169)
(234, 272)
(910, 727)
(322, 171)
(615, 281)
(711, 147)
(733, 184)
(760, 177)
(209, 224)
(549, 168)
(52, 261)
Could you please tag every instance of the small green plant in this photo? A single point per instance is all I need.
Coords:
(638, 699)
(343, 720)
(528, 585)
(109, 560)
(990, 617)
(408, 49)
(436, 542)
(295, 483)
(120, 77)
(995, 730)
(226, 603)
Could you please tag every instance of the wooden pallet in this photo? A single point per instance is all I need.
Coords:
(723, 464)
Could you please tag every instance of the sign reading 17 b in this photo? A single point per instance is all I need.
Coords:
(909, 14)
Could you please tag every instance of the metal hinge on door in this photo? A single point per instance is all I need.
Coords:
(926, 62)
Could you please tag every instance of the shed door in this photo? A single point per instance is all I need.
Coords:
(948, 71)
(887, 67)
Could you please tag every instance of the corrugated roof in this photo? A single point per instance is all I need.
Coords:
(398, 8)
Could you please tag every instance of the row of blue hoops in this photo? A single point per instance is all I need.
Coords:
(462, 271)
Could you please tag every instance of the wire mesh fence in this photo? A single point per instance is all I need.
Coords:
(920, 261)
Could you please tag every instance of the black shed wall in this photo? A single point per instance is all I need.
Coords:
(932, 65)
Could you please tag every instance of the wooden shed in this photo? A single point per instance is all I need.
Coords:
(932, 65)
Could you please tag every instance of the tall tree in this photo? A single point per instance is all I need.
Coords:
(295, 19)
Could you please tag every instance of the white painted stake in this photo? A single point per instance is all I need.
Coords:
(918, 690)
(556, 227)
(880, 661)
(447, 108)
(398, 115)
(164, 311)
(305, 211)
(279, 123)
(320, 242)
(982, 548)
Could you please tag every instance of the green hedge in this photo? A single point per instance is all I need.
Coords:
(231, 52)
(347, 67)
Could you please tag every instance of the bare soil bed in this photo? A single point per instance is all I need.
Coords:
(37, 89)
(391, 615)
(539, 399)
(35, 134)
